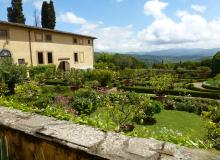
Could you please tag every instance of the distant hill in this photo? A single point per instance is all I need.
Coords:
(174, 55)
(181, 52)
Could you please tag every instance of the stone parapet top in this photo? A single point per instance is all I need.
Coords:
(107, 145)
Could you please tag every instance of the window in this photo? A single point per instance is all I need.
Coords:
(38, 37)
(5, 53)
(48, 38)
(76, 58)
(89, 41)
(81, 57)
(3, 33)
(40, 57)
(81, 41)
(75, 41)
(21, 61)
(49, 57)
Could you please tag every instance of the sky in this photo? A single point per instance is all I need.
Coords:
(135, 25)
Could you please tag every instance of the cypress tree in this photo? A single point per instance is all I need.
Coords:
(15, 12)
(52, 15)
(216, 64)
(48, 17)
(44, 15)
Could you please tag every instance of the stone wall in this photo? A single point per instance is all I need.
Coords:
(26, 136)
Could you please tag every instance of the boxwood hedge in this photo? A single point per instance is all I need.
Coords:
(179, 92)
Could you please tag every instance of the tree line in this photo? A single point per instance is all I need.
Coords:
(117, 61)
(48, 16)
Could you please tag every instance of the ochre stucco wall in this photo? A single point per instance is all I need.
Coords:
(62, 47)
(20, 146)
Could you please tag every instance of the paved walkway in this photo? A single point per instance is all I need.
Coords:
(198, 85)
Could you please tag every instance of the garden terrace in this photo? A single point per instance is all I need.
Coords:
(39, 136)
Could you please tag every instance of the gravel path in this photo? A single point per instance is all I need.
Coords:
(198, 85)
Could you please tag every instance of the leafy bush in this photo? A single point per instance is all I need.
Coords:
(104, 65)
(126, 108)
(31, 93)
(3, 89)
(172, 136)
(192, 105)
(122, 109)
(147, 110)
(104, 77)
(85, 101)
(214, 134)
(42, 72)
(162, 83)
(75, 77)
(11, 73)
(154, 107)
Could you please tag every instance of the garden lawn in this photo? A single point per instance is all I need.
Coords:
(179, 127)
(183, 128)
(189, 124)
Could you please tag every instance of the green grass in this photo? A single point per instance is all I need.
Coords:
(182, 128)
(189, 124)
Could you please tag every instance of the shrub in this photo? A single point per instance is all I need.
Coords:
(162, 83)
(46, 72)
(11, 73)
(214, 134)
(154, 107)
(85, 101)
(191, 105)
(126, 108)
(104, 77)
(92, 84)
(215, 114)
(149, 109)
(3, 89)
(75, 77)
(121, 109)
(31, 93)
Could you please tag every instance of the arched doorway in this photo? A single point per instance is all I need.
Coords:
(64, 66)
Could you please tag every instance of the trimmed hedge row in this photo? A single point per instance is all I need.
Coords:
(174, 92)
(56, 82)
(204, 90)
(209, 87)
(36, 70)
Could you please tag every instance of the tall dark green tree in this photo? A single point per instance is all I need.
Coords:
(216, 64)
(48, 16)
(15, 12)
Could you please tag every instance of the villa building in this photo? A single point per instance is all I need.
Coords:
(39, 46)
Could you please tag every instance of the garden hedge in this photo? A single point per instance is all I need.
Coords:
(35, 70)
(174, 92)
(204, 85)
(56, 82)
(206, 89)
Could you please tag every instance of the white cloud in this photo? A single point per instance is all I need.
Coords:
(115, 38)
(154, 8)
(190, 31)
(181, 13)
(199, 8)
(70, 17)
